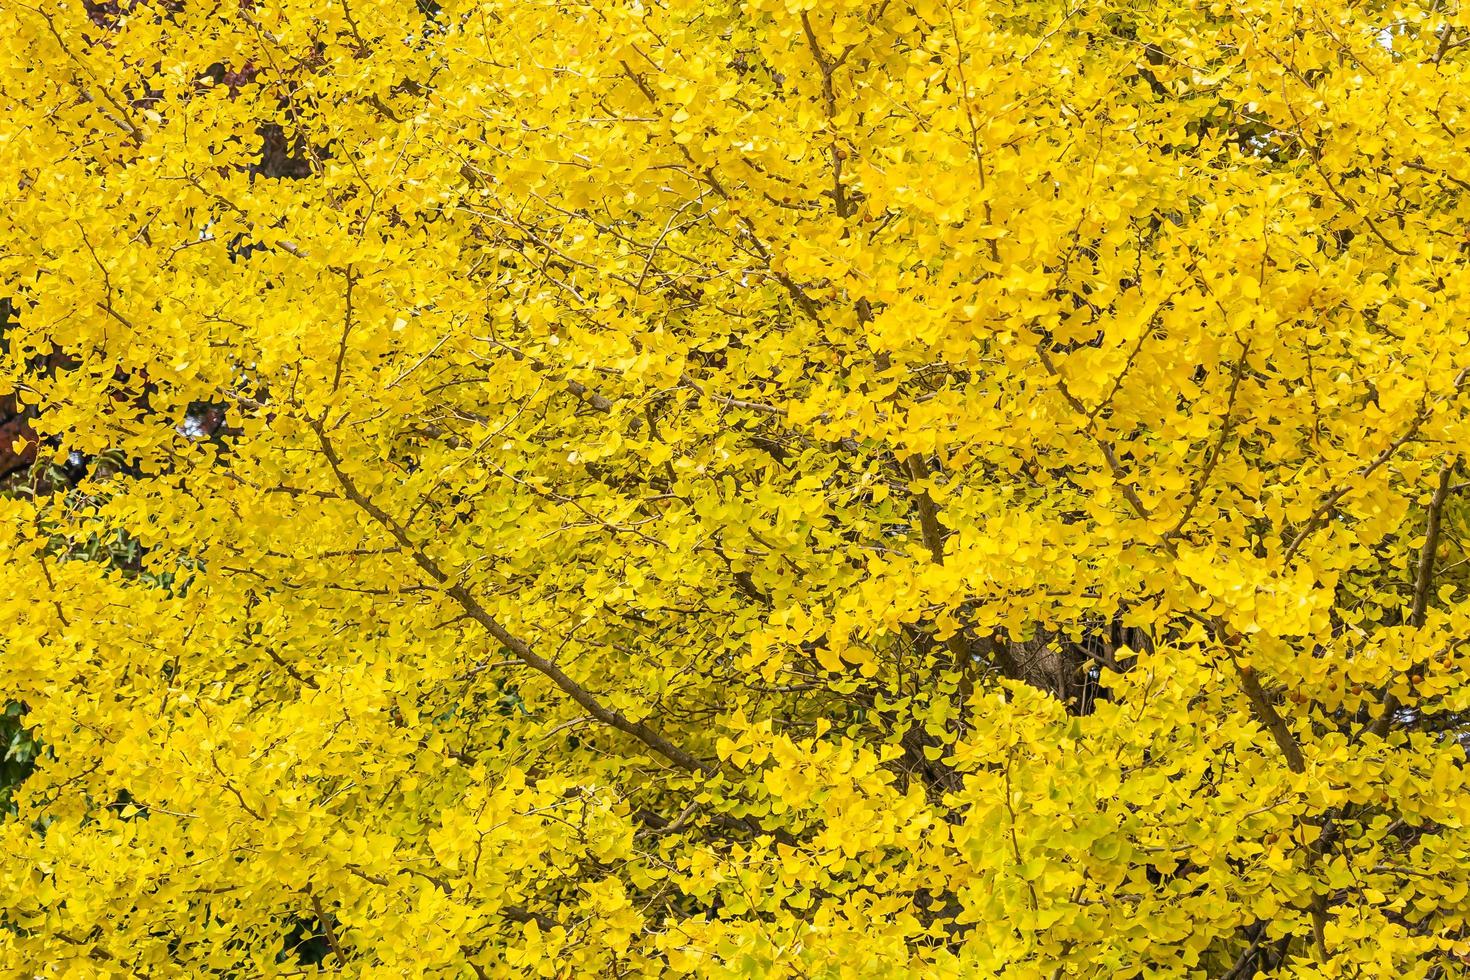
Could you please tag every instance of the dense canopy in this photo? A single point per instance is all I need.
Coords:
(736, 488)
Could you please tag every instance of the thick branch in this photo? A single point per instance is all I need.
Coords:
(1268, 715)
(513, 644)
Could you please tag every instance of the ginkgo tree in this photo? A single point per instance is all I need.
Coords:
(736, 489)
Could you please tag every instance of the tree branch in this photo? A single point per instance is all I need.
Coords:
(1423, 584)
(513, 644)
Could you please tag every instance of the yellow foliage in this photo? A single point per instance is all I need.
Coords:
(765, 489)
